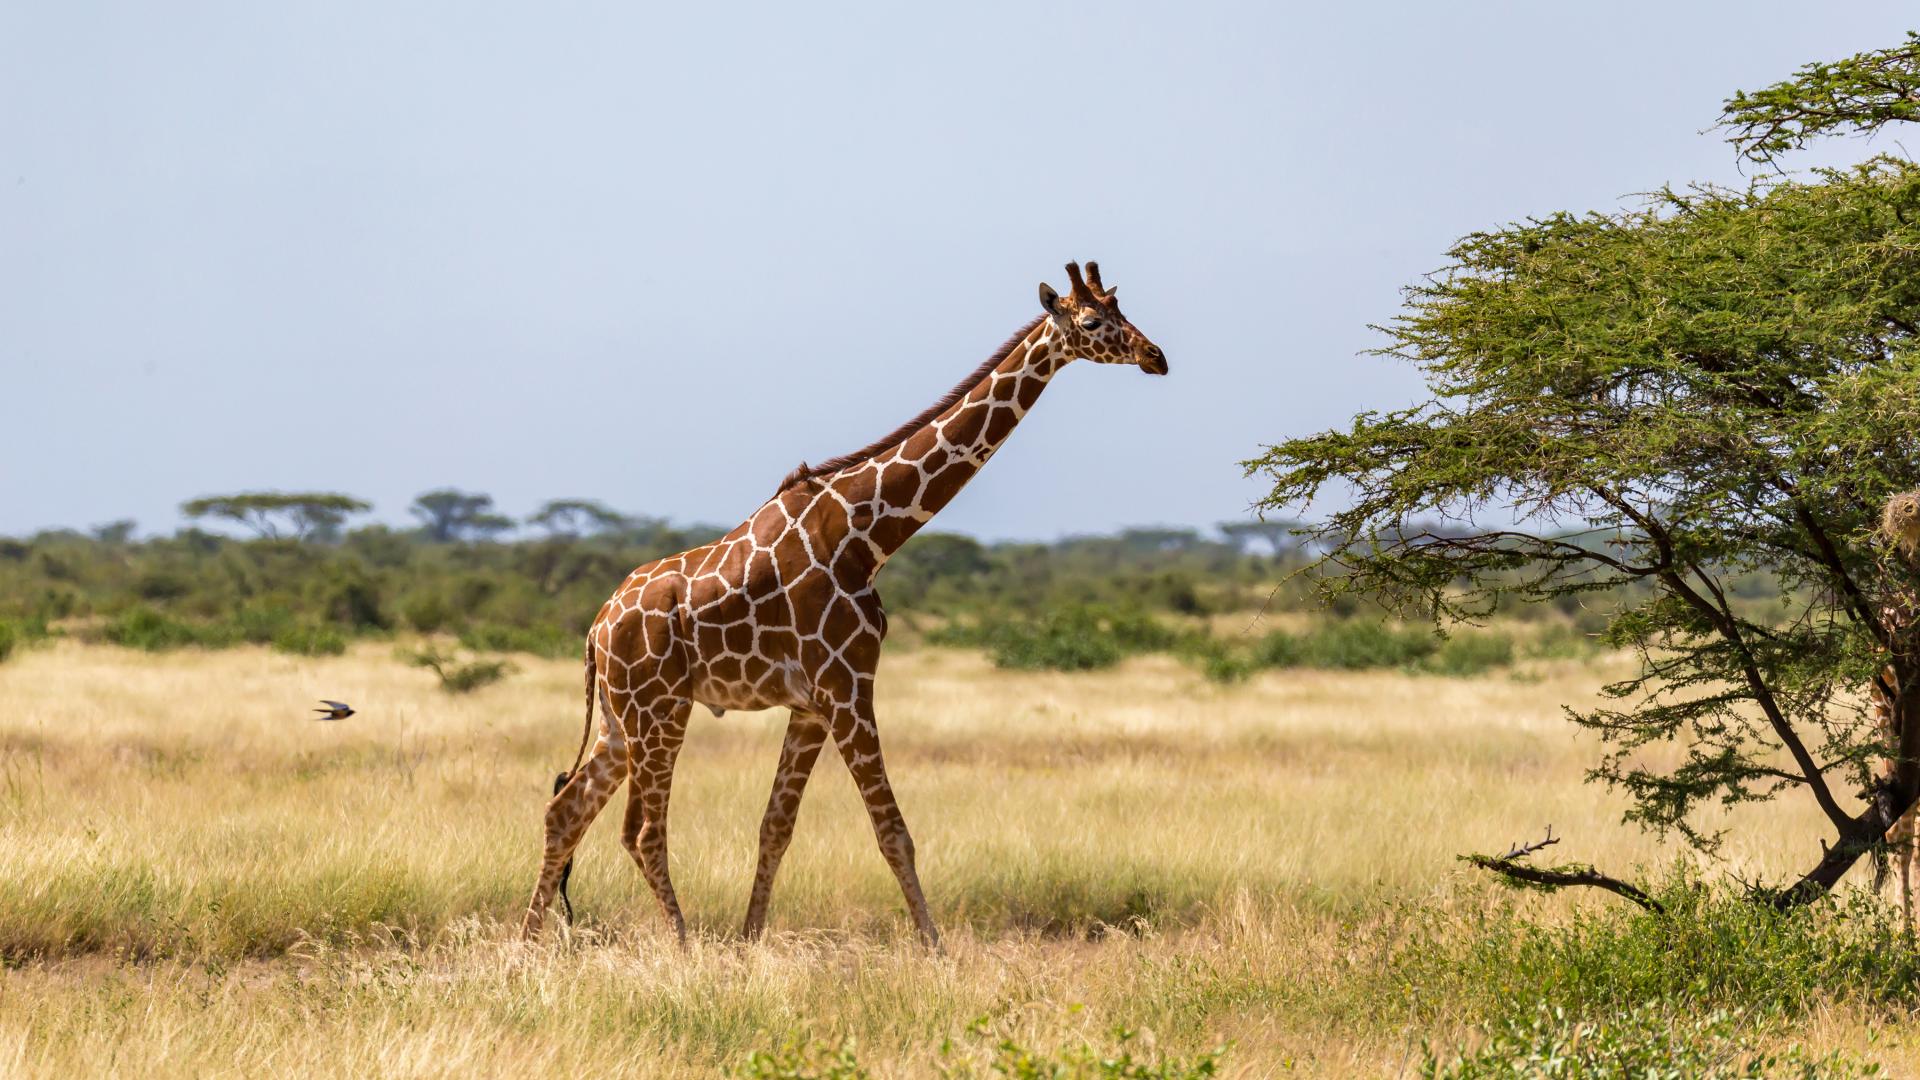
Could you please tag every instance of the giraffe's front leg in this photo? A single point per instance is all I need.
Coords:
(568, 815)
(806, 734)
(645, 830)
(858, 738)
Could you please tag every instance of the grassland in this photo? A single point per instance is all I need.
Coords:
(196, 881)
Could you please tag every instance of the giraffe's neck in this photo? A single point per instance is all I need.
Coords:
(885, 499)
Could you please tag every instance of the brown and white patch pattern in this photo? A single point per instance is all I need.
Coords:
(781, 611)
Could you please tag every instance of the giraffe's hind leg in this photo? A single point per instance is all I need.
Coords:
(569, 814)
(644, 833)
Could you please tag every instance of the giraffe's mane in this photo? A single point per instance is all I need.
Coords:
(899, 434)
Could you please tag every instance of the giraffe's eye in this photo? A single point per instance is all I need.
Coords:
(1090, 324)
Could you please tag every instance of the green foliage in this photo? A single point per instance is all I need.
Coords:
(1463, 655)
(1714, 948)
(1091, 637)
(449, 515)
(16, 633)
(349, 594)
(1071, 638)
(1722, 385)
(531, 595)
(260, 622)
(1640, 1042)
(1862, 93)
(457, 677)
(310, 639)
(1561, 643)
(801, 1060)
(548, 641)
(427, 611)
(152, 631)
(309, 515)
(1117, 1062)
(1220, 661)
(1358, 644)
(1349, 644)
(576, 517)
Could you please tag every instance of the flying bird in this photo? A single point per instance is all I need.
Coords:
(335, 710)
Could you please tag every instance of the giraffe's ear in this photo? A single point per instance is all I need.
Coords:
(1050, 300)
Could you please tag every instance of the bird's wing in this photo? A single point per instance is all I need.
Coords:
(335, 704)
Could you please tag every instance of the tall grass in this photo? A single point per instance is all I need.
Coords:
(195, 879)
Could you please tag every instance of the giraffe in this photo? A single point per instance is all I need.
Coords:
(1900, 530)
(1883, 701)
(781, 611)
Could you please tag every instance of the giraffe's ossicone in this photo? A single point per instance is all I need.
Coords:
(781, 611)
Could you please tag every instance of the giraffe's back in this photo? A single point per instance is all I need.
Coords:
(753, 620)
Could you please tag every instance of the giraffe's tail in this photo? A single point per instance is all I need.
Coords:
(560, 781)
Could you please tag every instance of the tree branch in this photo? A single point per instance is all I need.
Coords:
(1552, 879)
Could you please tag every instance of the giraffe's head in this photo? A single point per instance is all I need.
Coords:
(1900, 522)
(1090, 324)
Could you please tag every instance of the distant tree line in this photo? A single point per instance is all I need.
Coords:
(292, 568)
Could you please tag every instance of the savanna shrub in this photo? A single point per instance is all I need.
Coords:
(1715, 948)
(1076, 637)
(1470, 654)
(1220, 661)
(151, 630)
(310, 639)
(1640, 1042)
(1349, 644)
(1562, 642)
(549, 641)
(456, 677)
(427, 611)
(9, 638)
(261, 624)
(348, 594)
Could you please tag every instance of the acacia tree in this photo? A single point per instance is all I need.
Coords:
(448, 514)
(1276, 535)
(307, 515)
(1652, 407)
(576, 517)
(1860, 94)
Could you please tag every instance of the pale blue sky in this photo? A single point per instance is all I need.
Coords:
(658, 256)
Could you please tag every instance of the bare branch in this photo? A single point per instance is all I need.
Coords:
(1555, 878)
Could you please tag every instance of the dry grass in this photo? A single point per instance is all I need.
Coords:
(194, 880)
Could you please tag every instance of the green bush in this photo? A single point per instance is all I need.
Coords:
(1562, 642)
(456, 677)
(1713, 949)
(9, 638)
(151, 630)
(552, 642)
(1641, 1042)
(1220, 661)
(310, 639)
(1076, 637)
(1470, 654)
(1349, 644)
(348, 594)
(428, 612)
(261, 624)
